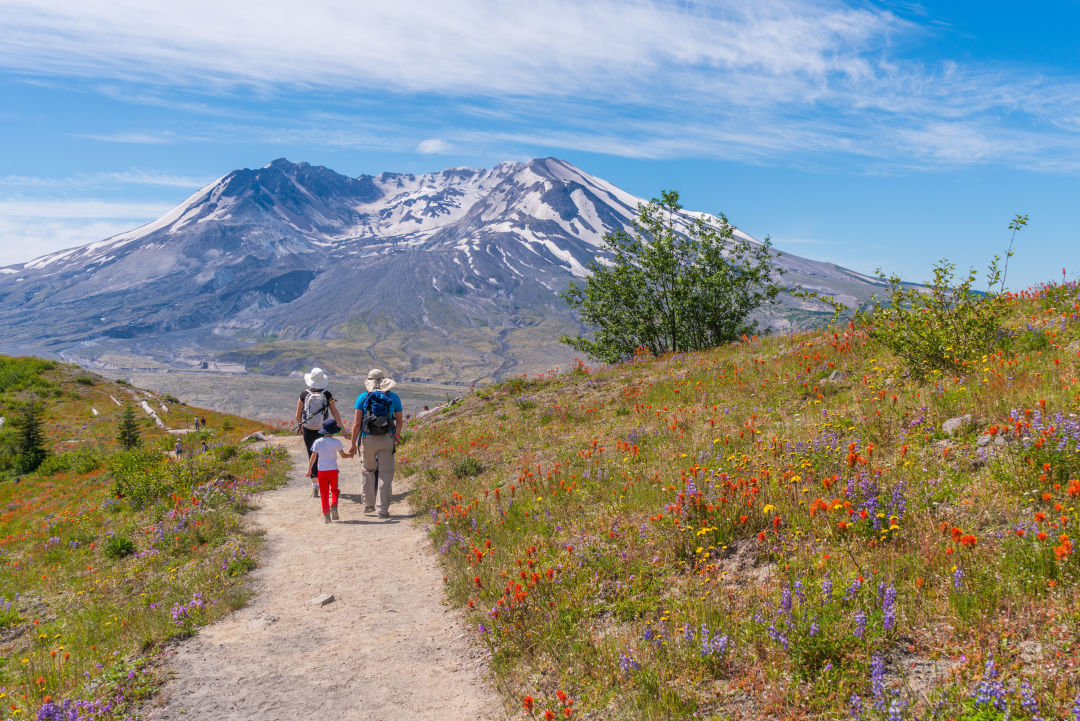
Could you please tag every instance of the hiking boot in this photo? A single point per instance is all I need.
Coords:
(369, 509)
(314, 491)
(384, 514)
(326, 518)
(333, 512)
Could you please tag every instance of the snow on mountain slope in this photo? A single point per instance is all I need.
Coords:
(461, 267)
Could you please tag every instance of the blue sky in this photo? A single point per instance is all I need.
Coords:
(872, 134)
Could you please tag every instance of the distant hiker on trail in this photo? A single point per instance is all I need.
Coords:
(178, 449)
(324, 453)
(316, 405)
(377, 423)
(196, 423)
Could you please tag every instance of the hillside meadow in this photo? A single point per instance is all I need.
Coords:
(108, 555)
(790, 527)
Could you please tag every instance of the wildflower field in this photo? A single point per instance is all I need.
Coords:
(108, 554)
(790, 527)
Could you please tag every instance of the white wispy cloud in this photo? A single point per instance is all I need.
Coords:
(759, 80)
(19, 184)
(47, 226)
(134, 137)
(80, 209)
(433, 146)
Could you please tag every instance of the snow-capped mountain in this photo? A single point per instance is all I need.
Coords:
(450, 275)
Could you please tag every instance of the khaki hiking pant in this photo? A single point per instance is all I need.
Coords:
(377, 454)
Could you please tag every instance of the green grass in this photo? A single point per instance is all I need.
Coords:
(106, 556)
(732, 535)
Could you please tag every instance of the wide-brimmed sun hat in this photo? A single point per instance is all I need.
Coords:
(316, 379)
(376, 381)
(330, 427)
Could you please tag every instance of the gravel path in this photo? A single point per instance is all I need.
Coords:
(386, 649)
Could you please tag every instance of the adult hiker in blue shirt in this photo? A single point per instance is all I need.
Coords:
(377, 423)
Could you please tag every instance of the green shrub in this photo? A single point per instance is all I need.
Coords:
(85, 380)
(239, 566)
(943, 326)
(466, 467)
(18, 374)
(9, 613)
(82, 460)
(143, 475)
(53, 464)
(119, 546)
(86, 460)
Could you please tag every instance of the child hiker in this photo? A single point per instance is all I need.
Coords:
(324, 452)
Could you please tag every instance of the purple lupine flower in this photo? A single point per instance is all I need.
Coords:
(799, 594)
(776, 635)
(627, 664)
(990, 691)
(855, 704)
(785, 601)
(826, 590)
(958, 579)
(860, 624)
(1028, 701)
(888, 609)
(895, 707)
(1076, 708)
(877, 681)
(853, 589)
(815, 629)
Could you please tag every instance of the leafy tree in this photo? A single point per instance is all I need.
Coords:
(31, 442)
(675, 283)
(129, 430)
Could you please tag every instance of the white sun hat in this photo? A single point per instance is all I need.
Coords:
(316, 379)
(377, 381)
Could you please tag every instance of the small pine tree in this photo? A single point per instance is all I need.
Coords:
(31, 442)
(129, 430)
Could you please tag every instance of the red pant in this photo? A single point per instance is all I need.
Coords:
(328, 482)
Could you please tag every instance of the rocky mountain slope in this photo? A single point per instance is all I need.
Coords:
(450, 275)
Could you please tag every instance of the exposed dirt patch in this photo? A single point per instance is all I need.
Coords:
(741, 564)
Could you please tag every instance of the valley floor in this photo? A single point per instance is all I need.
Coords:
(270, 398)
(386, 648)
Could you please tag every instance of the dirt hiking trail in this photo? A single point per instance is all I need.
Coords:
(386, 649)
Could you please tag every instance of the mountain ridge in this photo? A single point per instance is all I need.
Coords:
(447, 275)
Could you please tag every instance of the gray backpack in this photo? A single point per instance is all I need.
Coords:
(316, 410)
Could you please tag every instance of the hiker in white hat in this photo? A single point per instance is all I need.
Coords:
(316, 404)
(377, 423)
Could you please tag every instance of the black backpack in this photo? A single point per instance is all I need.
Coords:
(378, 414)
